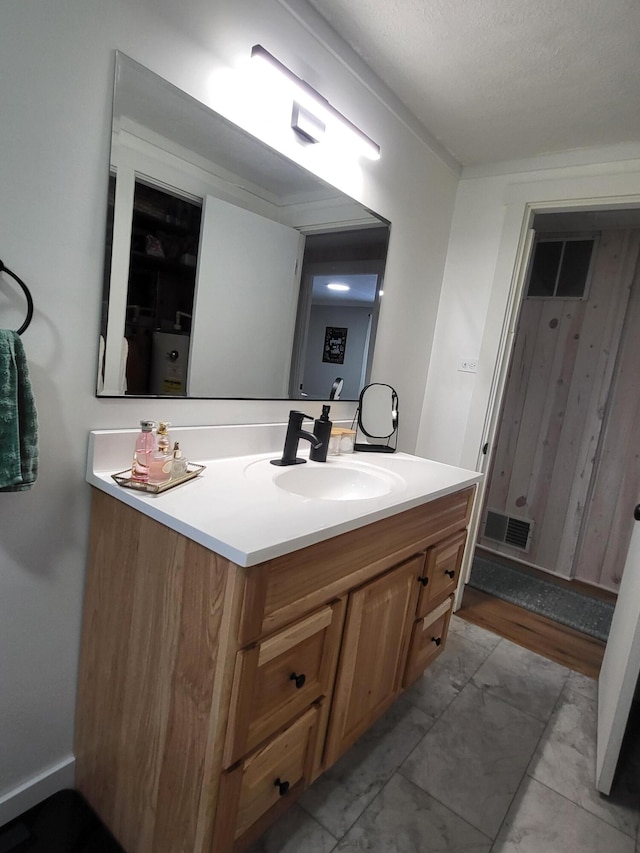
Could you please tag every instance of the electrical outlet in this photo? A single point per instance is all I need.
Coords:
(468, 365)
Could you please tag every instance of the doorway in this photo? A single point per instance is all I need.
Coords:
(340, 328)
(337, 317)
(560, 479)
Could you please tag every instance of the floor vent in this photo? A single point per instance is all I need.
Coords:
(508, 530)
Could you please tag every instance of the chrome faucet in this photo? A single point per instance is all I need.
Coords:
(293, 436)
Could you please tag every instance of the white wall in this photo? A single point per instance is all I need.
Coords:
(56, 67)
(488, 235)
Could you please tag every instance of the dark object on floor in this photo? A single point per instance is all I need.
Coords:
(63, 823)
(589, 615)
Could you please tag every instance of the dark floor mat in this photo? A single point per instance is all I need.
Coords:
(63, 823)
(589, 615)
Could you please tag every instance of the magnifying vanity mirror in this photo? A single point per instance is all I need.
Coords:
(377, 419)
(230, 271)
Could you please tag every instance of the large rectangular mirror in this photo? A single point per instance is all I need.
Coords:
(222, 260)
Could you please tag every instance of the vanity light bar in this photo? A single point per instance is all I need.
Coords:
(303, 122)
(306, 124)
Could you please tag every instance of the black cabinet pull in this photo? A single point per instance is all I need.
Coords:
(450, 572)
(636, 513)
(437, 640)
(423, 580)
(299, 679)
(282, 787)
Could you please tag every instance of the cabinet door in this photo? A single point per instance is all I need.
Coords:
(442, 570)
(279, 677)
(374, 648)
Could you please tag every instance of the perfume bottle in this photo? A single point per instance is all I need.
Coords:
(162, 457)
(143, 452)
(179, 466)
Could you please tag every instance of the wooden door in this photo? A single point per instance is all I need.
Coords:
(374, 649)
(607, 523)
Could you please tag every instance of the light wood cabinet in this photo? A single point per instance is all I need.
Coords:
(376, 635)
(211, 695)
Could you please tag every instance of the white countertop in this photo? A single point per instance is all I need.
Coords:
(235, 509)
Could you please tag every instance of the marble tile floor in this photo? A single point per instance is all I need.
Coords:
(491, 751)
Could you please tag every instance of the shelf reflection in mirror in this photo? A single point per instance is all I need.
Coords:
(218, 255)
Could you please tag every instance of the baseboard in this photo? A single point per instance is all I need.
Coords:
(37, 789)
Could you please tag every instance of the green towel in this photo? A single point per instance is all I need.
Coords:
(18, 418)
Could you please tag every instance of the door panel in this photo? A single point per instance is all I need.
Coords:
(607, 525)
(620, 669)
(234, 354)
(374, 649)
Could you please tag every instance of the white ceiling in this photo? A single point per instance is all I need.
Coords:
(362, 289)
(495, 80)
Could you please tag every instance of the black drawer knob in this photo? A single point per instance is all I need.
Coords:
(437, 640)
(282, 787)
(450, 572)
(423, 580)
(299, 679)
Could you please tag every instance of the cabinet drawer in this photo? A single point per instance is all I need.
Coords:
(265, 783)
(427, 641)
(442, 570)
(276, 679)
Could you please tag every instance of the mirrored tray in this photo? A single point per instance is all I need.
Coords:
(123, 478)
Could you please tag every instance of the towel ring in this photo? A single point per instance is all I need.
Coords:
(25, 289)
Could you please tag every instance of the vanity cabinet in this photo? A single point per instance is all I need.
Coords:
(211, 695)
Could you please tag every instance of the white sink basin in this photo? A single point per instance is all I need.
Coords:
(334, 480)
(330, 482)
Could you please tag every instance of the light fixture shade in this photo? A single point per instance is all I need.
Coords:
(301, 123)
(306, 125)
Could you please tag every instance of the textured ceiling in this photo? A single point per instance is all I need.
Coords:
(496, 80)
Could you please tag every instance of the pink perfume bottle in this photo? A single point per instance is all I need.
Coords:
(143, 453)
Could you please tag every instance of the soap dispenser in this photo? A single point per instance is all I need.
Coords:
(322, 431)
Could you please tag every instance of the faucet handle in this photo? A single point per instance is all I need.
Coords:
(295, 415)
